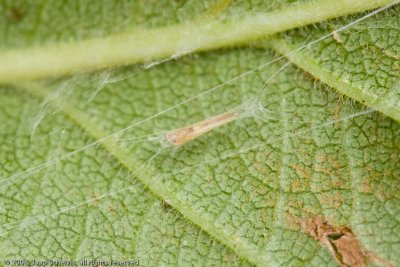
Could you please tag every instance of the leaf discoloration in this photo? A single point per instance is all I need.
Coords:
(341, 242)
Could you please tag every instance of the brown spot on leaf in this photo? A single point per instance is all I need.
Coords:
(297, 185)
(336, 164)
(300, 170)
(16, 14)
(321, 168)
(261, 168)
(334, 200)
(329, 159)
(341, 242)
(293, 221)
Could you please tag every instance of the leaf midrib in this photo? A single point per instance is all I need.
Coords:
(144, 45)
(245, 250)
(309, 65)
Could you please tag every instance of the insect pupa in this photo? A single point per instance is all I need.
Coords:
(188, 133)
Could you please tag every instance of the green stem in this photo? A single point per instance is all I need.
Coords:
(167, 42)
(308, 64)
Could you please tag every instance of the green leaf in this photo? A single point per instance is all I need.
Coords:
(362, 63)
(144, 45)
(239, 195)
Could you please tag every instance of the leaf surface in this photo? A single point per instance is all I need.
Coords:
(238, 195)
(143, 45)
(362, 62)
